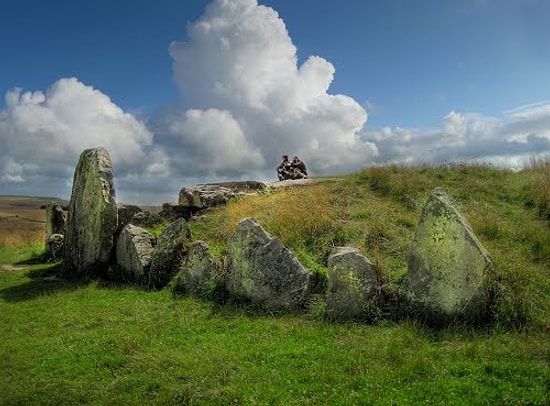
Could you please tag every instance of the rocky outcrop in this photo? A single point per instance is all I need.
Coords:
(92, 217)
(262, 270)
(134, 251)
(55, 220)
(216, 194)
(172, 246)
(353, 290)
(198, 271)
(447, 263)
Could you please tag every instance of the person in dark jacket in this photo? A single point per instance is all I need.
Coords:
(298, 168)
(284, 170)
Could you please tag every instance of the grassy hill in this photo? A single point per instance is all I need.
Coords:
(103, 344)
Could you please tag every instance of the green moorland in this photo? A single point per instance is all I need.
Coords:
(63, 342)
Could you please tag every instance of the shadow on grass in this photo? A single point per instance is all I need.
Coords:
(44, 281)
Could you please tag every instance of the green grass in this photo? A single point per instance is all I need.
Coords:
(69, 343)
(95, 344)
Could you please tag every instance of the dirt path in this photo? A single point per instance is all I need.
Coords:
(9, 267)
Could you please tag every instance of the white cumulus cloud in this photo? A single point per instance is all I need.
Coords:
(43, 133)
(249, 101)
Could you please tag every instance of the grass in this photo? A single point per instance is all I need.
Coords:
(96, 344)
(69, 343)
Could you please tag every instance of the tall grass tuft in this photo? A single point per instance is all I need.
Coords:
(538, 185)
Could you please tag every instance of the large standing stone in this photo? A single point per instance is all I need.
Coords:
(198, 271)
(261, 269)
(134, 249)
(92, 217)
(171, 247)
(353, 286)
(447, 263)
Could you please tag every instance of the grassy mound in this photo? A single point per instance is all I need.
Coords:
(68, 343)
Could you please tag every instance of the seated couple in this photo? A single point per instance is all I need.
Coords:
(294, 169)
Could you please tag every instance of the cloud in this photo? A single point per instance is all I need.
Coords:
(249, 101)
(508, 141)
(43, 133)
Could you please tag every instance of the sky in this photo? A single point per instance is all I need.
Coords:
(194, 91)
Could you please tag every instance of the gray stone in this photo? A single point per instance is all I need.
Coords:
(447, 263)
(171, 248)
(262, 270)
(198, 271)
(147, 219)
(134, 250)
(125, 214)
(92, 217)
(55, 220)
(216, 194)
(54, 246)
(353, 286)
(173, 211)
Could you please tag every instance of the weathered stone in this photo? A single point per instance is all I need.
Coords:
(54, 246)
(171, 247)
(447, 263)
(216, 194)
(134, 250)
(125, 214)
(173, 211)
(198, 271)
(353, 286)
(92, 217)
(261, 269)
(147, 219)
(55, 220)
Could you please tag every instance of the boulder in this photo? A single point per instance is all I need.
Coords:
(262, 270)
(134, 249)
(353, 290)
(173, 211)
(216, 194)
(55, 220)
(198, 271)
(92, 218)
(147, 219)
(172, 246)
(447, 264)
(54, 246)
(125, 214)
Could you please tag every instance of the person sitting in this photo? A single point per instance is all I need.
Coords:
(284, 170)
(298, 167)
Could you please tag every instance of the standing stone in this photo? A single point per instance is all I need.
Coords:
(92, 217)
(261, 269)
(134, 249)
(55, 221)
(198, 271)
(447, 263)
(353, 286)
(172, 246)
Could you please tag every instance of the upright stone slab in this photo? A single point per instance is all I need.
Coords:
(447, 263)
(262, 270)
(92, 216)
(353, 286)
(172, 246)
(134, 249)
(198, 270)
(55, 221)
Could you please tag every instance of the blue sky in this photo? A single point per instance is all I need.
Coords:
(244, 82)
